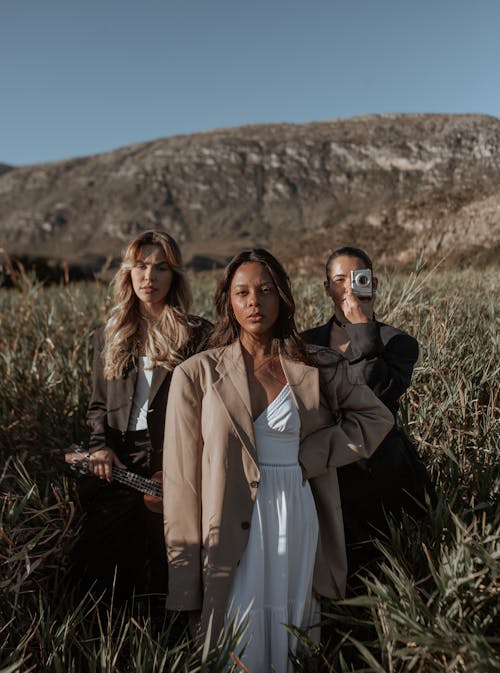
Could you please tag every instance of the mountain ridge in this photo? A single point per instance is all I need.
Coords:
(402, 186)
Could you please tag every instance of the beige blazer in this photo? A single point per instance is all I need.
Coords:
(211, 468)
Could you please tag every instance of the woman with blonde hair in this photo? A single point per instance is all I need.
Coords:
(149, 331)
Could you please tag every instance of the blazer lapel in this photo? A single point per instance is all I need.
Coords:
(232, 389)
(304, 384)
(159, 376)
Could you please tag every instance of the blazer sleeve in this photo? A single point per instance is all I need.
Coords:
(388, 368)
(359, 422)
(97, 409)
(182, 454)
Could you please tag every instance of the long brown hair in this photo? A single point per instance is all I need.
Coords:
(286, 338)
(167, 335)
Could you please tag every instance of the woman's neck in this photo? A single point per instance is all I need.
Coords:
(150, 312)
(339, 339)
(256, 348)
(339, 318)
(337, 321)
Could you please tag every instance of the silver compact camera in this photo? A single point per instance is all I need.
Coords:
(361, 282)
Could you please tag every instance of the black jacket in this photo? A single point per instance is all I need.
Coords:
(111, 400)
(384, 357)
(382, 354)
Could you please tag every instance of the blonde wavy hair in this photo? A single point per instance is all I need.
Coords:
(166, 336)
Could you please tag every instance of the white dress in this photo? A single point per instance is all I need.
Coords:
(275, 574)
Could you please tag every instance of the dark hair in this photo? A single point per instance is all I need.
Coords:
(227, 329)
(348, 251)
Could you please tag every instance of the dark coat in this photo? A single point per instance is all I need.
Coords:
(382, 354)
(384, 357)
(122, 545)
(111, 401)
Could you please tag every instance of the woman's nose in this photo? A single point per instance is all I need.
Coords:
(253, 298)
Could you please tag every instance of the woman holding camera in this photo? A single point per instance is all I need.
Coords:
(384, 356)
(148, 333)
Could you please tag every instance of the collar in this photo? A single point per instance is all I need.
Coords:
(337, 321)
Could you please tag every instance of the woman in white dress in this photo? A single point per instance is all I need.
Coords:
(255, 429)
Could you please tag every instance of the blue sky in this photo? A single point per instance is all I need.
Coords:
(79, 77)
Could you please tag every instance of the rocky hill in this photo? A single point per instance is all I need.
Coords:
(399, 185)
(5, 167)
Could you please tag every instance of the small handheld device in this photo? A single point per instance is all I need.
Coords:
(361, 283)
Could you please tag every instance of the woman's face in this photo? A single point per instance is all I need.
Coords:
(151, 278)
(339, 278)
(254, 300)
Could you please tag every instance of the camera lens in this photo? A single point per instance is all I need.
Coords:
(362, 280)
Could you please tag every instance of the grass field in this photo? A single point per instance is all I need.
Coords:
(432, 604)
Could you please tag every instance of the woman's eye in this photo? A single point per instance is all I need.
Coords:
(139, 265)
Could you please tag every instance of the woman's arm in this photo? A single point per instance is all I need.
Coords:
(388, 368)
(359, 422)
(182, 454)
(102, 457)
(97, 410)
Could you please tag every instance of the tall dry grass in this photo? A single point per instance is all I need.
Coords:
(430, 606)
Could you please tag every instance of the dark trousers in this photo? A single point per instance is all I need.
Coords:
(121, 551)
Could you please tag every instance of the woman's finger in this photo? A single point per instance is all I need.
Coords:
(355, 310)
(98, 468)
(108, 466)
(101, 463)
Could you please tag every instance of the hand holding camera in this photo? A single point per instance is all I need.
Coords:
(361, 283)
(359, 297)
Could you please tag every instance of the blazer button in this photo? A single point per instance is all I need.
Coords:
(245, 525)
(254, 484)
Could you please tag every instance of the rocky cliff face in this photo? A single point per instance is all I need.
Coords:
(399, 185)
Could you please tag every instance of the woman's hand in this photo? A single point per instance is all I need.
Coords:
(355, 310)
(101, 463)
